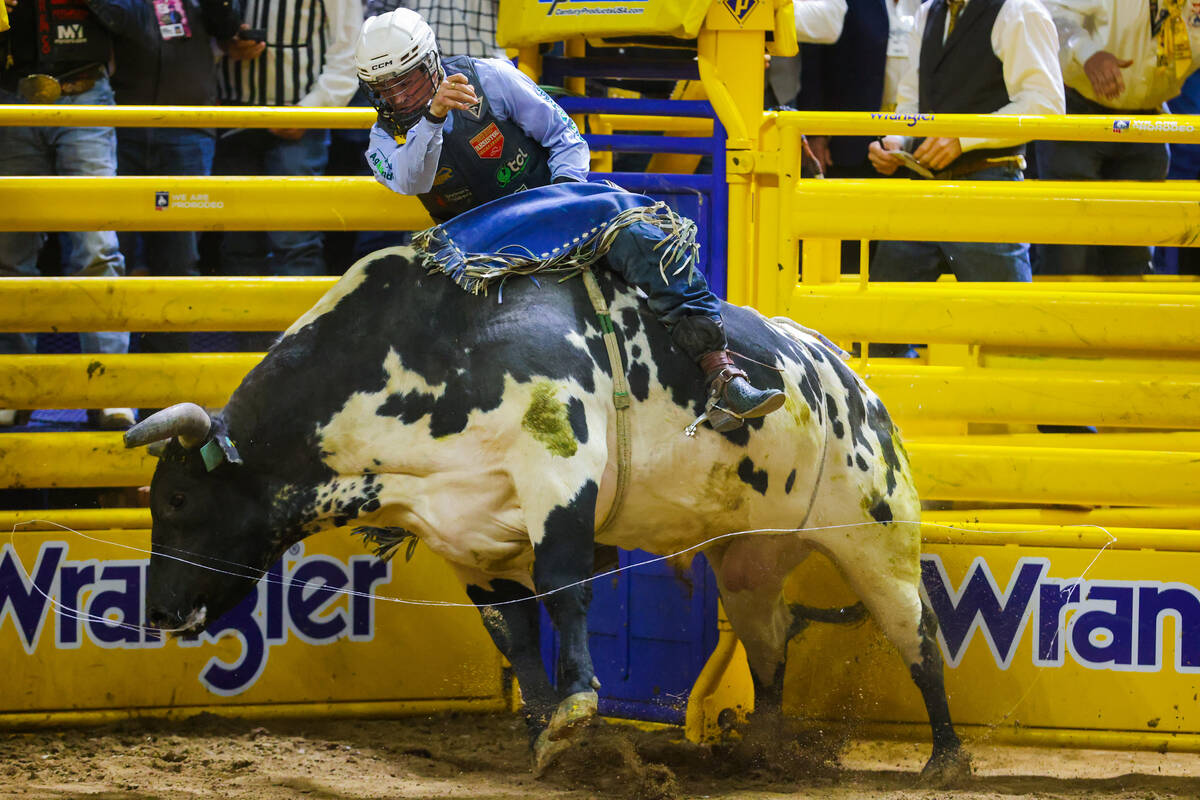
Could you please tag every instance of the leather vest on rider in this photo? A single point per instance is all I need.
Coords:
(483, 157)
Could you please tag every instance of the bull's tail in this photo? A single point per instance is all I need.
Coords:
(845, 615)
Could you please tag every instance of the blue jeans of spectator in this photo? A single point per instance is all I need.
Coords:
(259, 152)
(969, 261)
(72, 152)
(1092, 161)
(162, 151)
(633, 257)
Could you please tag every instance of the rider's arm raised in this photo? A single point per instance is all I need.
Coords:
(406, 168)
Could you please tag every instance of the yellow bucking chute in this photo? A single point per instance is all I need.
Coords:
(525, 22)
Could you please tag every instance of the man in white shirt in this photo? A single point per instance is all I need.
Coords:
(817, 22)
(1124, 57)
(974, 57)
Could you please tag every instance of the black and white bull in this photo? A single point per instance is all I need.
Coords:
(488, 430)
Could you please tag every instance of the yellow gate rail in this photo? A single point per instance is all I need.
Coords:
(206, 204)
(1020, 316)
(1055, 212)
(143, 380)
(156, 304)
(1068, 127)
(940, 471)
(1066, 398)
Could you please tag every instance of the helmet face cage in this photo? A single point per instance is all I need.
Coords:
(403, 97)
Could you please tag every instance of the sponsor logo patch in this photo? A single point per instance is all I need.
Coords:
(740, 8)
(513, 168)
(382, 167)
(161, 200)
(489, 142)
(475, 111)
(443, 174)
(1120, 125)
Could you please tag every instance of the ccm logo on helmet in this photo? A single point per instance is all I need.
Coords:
(381, 66)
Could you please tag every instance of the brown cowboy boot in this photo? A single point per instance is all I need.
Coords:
(731, 396)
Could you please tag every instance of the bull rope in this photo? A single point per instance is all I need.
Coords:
(620, 395)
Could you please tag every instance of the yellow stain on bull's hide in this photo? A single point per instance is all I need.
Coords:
(546, 419)
(724, 486)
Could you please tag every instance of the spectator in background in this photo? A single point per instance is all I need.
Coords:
(1118, 57)
(462, 26)
(309, 61)
(65, 71)
(171, 62)
(972, 57)
(859, 72)
(818, 22)
(1185, 165)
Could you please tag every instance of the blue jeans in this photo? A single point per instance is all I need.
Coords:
(1091, 161)
(969, 261)
(162, 151)
(633, 257)
(63, 151)
(259, 152)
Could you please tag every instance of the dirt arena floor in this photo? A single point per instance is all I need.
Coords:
(484, 757)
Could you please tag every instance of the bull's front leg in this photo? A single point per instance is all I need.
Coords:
(562, 569)
(512, 618)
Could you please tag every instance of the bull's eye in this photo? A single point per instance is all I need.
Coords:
(177, 500)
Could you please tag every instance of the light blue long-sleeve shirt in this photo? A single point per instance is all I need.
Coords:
(409, 168)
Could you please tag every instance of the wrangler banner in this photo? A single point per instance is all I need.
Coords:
(1032, 638)
(321, 627)
(524, 22)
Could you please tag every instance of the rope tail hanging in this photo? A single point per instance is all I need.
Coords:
(561, 229)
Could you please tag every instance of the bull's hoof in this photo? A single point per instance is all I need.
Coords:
(946, 769)
(572, 715)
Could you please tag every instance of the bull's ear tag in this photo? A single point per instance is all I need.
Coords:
(218, 450)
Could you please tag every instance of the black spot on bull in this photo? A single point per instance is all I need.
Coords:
(791, 480)
(578, 420)
(755, 478)
(835, 424)
(639, 380)
(881, 511)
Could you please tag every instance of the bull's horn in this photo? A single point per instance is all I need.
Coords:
(187, 421)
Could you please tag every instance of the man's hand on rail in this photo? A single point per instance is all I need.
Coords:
(1104, 71)
(11, 4)
(884, 163)
(241, 49)
(938, 152)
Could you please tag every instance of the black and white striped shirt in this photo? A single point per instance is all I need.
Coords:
(462, 27)
(309, 60)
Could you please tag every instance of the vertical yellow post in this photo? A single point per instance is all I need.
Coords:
(529, 61)
(723, 56)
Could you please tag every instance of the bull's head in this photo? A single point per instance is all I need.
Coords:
(210, 541)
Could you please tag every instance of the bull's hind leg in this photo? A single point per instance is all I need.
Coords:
(881, 564)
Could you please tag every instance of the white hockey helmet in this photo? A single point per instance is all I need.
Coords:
(397, 60)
